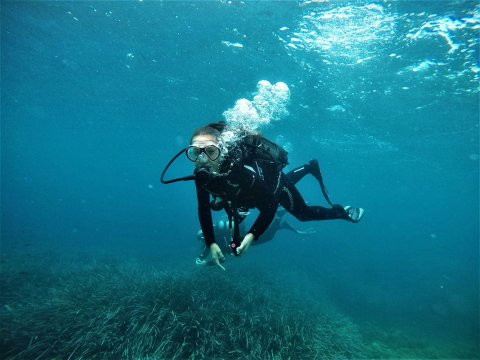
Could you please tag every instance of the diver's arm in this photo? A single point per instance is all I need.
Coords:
(205, 215)
(265, 202)
(267, 206)
(206, 223)
(264, 219)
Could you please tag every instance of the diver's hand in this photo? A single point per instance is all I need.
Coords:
(246, 242)
(309, 231)
(217, 255)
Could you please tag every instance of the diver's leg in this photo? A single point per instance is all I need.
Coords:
(291, 199)
(313, 168)
(298, 173)
(286, 226)
(304, 232)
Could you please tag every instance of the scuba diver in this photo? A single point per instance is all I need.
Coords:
(249, 175)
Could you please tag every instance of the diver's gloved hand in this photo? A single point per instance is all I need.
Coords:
(200, 261)
(306, 232)
(217, 255)
(245, 244)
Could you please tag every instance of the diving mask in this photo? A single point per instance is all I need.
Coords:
(193, 152)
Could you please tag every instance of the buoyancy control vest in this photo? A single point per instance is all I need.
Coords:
(258, 148)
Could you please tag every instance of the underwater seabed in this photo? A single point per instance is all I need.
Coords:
(126, 310)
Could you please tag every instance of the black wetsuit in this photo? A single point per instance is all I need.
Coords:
(260, 185)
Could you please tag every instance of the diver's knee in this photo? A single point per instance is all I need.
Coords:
(301, 217)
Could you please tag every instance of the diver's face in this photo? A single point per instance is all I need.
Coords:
(205, 151)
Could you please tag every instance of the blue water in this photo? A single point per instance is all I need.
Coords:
(98, 96)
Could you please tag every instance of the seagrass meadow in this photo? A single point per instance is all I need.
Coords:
(106, 309)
